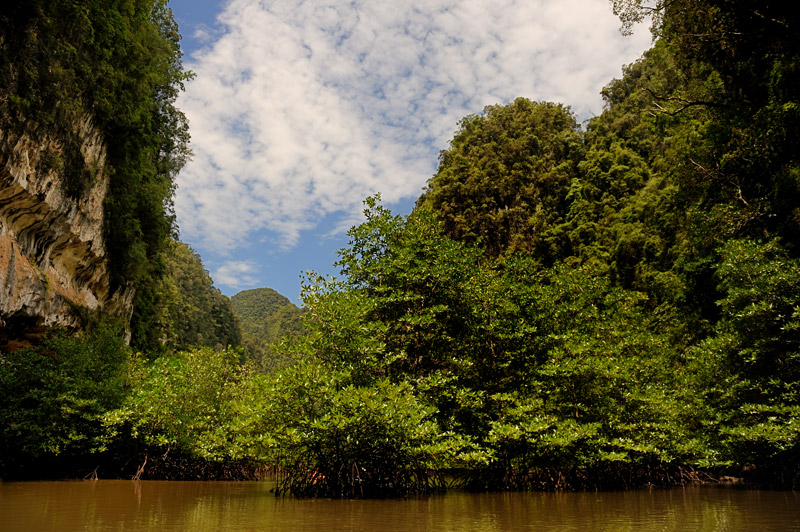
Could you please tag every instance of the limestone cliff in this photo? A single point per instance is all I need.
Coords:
(53, 265)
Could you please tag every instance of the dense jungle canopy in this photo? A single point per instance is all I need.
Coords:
(566, 306)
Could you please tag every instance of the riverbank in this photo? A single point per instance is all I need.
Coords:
(606, 477)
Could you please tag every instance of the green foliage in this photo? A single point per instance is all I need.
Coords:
(732, 229)
(738, 61)
(192, 312)
(526, 368)
(505, 176)
(335, 439)
(412, 283)
(54, 396)
(589, 384)
(180, 403)
(266, 317)
(118, 65)
(750, 370)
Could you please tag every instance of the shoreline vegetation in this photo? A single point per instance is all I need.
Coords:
(610, 477)
(203, 415)
(599, 307)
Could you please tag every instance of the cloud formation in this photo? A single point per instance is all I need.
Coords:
(237, 274)
(301, 109)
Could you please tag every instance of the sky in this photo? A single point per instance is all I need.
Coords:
(300, 109)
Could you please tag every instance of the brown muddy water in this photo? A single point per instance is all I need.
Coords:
(133, 506)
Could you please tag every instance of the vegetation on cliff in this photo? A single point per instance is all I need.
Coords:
(192, 312)
(118, 64)
(503, 181)
(605, 307)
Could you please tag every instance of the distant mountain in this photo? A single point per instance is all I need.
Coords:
(265, 317)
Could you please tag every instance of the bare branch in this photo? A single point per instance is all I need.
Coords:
(686, 103)
(715, 176)
(768, 19)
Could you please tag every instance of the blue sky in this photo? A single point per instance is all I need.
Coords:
(301, 109)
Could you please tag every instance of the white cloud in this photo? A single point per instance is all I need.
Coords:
(237, 274)
(301, 109)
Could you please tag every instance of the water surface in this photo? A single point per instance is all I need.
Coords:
(119, 505)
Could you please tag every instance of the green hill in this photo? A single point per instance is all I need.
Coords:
(192, 312)
(265, 317)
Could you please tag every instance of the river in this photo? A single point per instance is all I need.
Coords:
(106, 505)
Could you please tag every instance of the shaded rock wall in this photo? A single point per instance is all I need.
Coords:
(53, 265)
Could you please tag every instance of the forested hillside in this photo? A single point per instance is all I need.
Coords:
(192, 312)
(266, 317)
(615, 305)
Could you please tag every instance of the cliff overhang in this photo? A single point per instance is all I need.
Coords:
(53, 265)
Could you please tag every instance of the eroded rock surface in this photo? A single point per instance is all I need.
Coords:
(53, 265)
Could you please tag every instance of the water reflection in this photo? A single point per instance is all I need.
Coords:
(249, 506)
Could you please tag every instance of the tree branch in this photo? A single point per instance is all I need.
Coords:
(686, 103)
(716, 177)
(768, 19)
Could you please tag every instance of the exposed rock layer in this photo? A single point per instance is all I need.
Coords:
(53, 266)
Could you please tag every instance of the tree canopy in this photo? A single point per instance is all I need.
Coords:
(192, 311)
(505, 176)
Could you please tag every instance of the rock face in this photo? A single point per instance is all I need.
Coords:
(53, 265)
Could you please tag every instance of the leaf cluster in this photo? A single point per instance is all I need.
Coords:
(55, 395)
